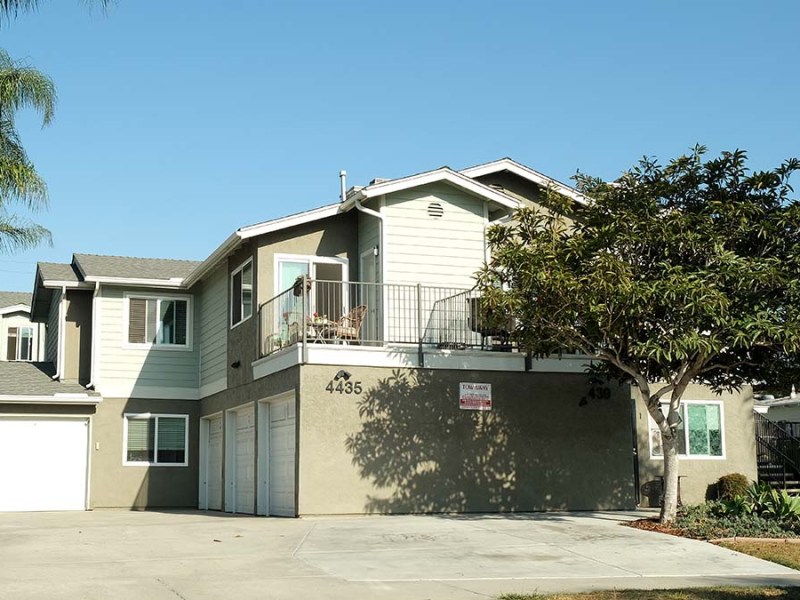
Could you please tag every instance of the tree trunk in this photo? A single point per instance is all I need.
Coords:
(669, 507)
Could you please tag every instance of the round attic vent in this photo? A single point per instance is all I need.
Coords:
(435, 210)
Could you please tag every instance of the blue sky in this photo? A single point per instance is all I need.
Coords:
(180, 121)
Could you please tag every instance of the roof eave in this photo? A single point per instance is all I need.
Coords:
(70, 399)
(444, 174)
(512, 166)
(15, 308)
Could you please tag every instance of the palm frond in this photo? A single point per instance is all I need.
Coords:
(18, 234)
(21, 87)
(11, 9)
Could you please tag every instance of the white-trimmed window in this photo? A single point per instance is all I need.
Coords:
(19, 343)
(161, 440)
(242, 293)
(700, 431)
(164, 322)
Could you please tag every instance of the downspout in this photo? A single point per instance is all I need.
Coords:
(61, 345)
(93, 350)
(381, 250)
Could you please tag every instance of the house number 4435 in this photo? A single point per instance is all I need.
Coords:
(344, 387)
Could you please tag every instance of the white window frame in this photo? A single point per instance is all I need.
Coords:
(651, 425)
(311, 259)
(239, 269)
(20, 329)
(155, 463)
(187, 347)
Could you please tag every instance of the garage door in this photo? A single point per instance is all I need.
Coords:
(214, 464)
(43, 464)
(281, 458)
(245, 472)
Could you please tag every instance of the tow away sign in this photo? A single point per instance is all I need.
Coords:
(475, 396)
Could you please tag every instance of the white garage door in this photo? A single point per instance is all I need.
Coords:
(245, 492)
(43, 464)
(214, 464)
(281, 458)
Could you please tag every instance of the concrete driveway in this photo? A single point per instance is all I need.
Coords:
(197, 555)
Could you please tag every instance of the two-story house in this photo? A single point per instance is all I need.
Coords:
(329, 362)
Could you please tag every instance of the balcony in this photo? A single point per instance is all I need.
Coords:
(320, 317)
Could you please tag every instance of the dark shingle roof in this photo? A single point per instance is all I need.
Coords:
(57, 272)
(131, 267)
(34, 379)
(13, 298)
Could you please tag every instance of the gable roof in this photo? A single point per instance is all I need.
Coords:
(61, 272)
(110, 269)
(512, 166)
(9, 299)
(441, 175)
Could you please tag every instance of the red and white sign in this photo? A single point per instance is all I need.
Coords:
(475, 396)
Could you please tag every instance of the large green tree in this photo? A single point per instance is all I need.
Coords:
(670, 275)
(21, 87)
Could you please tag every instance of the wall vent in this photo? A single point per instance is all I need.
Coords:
(435, 210)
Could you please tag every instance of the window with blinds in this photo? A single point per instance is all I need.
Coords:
(159, 321)
(242, 293)
(156, 439)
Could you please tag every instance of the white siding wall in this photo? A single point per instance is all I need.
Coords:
(445, 251)
(368, 237)
(51, 337)
(140, 372)
(212, 311)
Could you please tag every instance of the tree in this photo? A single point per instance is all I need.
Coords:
(21, 87)
(670, 275)
(12, 8)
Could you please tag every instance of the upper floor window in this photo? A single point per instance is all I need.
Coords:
(156, 321)
(700, 431)
(242, 293)
(20, 343)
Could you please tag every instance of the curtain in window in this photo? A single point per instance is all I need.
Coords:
(154, 321)
(11, 348)
(705, 431)
(247, 291)
(141, 440)
(171, 439)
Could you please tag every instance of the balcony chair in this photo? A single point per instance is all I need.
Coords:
(348, 328)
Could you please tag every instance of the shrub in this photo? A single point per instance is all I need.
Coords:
(732, 485)
(714, 520)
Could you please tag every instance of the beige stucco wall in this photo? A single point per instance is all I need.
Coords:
(116, 486)
(403, 444)
(78, 337)
(700, 473)
(247, 394)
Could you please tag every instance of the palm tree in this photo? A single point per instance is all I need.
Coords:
(11, 8)
(21, 87)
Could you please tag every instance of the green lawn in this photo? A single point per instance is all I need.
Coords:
(712, 593)
(778, 551)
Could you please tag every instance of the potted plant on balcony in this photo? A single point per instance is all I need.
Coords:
(297, 287)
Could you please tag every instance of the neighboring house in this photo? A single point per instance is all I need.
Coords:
(20, 339)
(333, 362)
(785, 410)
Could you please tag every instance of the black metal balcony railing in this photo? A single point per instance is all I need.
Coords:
(375, 314)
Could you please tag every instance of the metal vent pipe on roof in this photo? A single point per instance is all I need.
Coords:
(343, 184)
